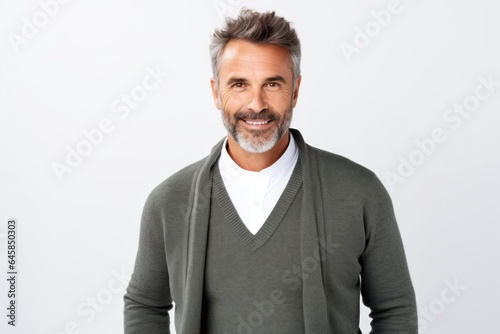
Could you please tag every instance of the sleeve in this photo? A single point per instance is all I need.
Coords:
(147, 299)
(386, 286)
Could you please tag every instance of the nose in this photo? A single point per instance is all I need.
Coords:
(257, 101)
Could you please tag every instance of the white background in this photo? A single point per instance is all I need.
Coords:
(79, 232)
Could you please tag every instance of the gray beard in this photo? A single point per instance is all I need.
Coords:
(253, 143)
(254, 146)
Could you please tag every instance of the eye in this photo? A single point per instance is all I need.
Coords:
(273, 85)
(238, 85)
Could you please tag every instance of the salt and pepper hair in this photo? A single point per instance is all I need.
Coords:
(260, 28)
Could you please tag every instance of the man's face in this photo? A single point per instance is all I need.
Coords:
(256, 94)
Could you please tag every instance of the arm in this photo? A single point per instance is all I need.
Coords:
(386, 285)
(148, 299)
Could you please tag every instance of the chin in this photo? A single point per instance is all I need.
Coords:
(257, 145)
(253, 148)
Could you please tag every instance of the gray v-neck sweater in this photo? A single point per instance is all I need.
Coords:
(246, 288)
(349, 243)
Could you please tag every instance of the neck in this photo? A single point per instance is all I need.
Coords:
(256, 162)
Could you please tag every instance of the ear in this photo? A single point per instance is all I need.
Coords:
(296, 90)
(215, 93)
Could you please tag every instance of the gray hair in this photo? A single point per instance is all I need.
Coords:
(260, 28)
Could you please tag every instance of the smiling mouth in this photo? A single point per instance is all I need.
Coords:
(257, 122)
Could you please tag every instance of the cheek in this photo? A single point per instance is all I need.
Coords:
(281, 100)
(231, 101)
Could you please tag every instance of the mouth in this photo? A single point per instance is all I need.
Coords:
(257, 122)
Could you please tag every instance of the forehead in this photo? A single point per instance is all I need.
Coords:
(245, 57)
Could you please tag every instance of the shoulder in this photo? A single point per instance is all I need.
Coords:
(177, 189)
(340, 166)
(333, 169)
(177, 186)
(344, 174)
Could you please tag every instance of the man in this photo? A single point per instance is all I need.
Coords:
(267, 234)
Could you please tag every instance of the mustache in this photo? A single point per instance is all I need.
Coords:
(251, 116)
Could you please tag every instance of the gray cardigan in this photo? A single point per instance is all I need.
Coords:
(348, 227)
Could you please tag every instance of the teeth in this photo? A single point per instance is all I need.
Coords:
(257, 123)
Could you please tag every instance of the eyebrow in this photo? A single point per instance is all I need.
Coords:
(278, 78)
(233, 80)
